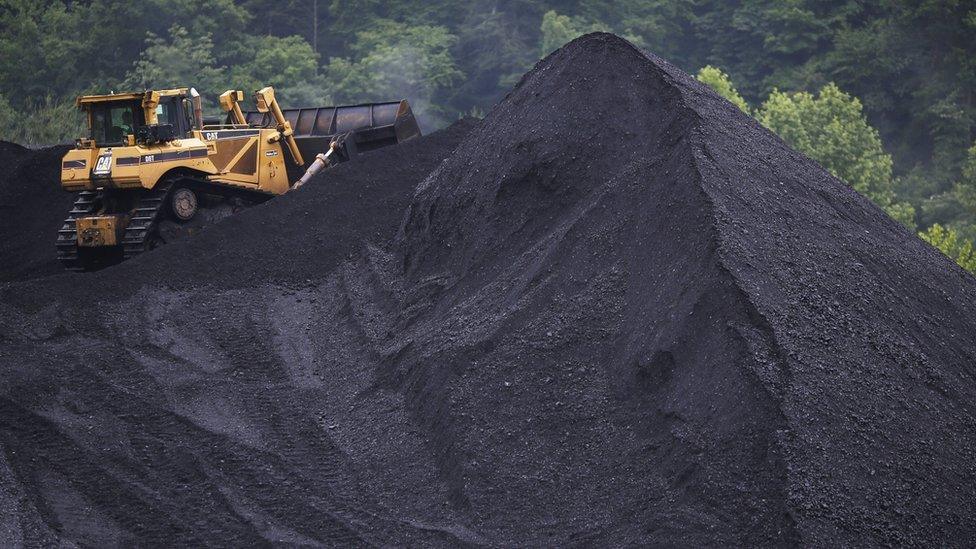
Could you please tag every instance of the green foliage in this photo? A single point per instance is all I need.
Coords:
(965, 189)
(8, 117)
(41, 122)
(913, 63)
(559, 29)
(495, 47)
(177, 62)
(948, 242)
(720, 82)
(289, 64)
(831, 129)
(392, 62)
(33, 60)
(65, 48)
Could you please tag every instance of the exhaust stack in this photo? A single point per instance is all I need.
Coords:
(197, 108)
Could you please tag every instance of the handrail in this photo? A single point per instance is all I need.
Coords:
(227, 126)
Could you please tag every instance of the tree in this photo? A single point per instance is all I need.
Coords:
(289, 64)
(40, 51)
(393, 61)
(948, 242)
(720, 82)
(8, 117)
(495, 48)
(180, 61)
(73, 47)
(831, 129)
(558, 29)
(965, 189)
(41, 122)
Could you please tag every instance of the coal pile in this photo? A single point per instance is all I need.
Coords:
(31, 211)
(11, 153)
(618, 312)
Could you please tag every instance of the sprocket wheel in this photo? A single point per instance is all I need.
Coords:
(184, 204)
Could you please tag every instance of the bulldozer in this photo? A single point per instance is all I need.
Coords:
(151, 159)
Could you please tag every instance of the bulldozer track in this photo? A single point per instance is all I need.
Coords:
(67, 242)
(145, 217)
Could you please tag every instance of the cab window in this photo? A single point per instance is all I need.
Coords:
(162, 114)
(167, 113)
(112, 122)
(171, 110)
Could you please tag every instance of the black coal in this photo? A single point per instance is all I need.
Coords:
(618, 312)
(32, 209)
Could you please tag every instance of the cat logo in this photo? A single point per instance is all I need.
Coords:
(103, 166)
(272, 152)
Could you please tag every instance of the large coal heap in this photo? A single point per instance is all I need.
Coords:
(32, 210)
(11, 153)
(619, 312)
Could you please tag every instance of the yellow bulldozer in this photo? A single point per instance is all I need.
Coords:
(150, 159)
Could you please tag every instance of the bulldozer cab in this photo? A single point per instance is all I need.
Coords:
(149, 117)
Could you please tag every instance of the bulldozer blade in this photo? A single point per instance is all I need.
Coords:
(368, 126)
